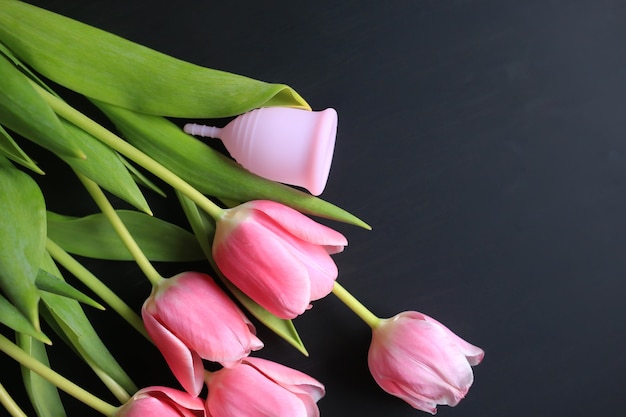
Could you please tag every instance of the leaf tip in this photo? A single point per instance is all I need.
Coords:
(44, 339)
(37, 170)
(97, 305)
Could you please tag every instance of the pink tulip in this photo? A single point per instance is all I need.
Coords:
(162, 402)
(190, 318)
(277, 256)
(261, 388)
(419, 360)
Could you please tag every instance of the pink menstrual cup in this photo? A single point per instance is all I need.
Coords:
(283, 144)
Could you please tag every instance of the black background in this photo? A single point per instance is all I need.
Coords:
(484, 141)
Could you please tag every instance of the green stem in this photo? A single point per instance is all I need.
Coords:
(9, 403)
(97, 286)
(120, 145)
(120, 228)
(55, 378)
(116, 389)
(356, 306)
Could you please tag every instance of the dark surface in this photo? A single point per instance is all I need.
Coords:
(485, 143)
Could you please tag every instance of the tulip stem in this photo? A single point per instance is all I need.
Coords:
(9, 403)
(14, 351)
(97, 286)
(356, 306)
(120, 228)
(120, 145)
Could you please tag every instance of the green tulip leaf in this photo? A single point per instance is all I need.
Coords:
(67, 318)
(12, 318)
(208, 170)
(109, 68)
(204, 229)
(23, 233)
(94, 237)
(23, 68)
(10, 149)
(44, 396)
(25, 112)
(55, 285)
(141, 179)
(104, 166)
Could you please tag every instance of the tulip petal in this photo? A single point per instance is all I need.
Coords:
(312, 410)
(301, 226)
(415, 399)
(145, 405)
(415, 383)
(261, 266)
(320, 266)
(212, 326)
(474, 354)
(243, 391)
(437, 351)
(162, 402)
(289, 378)
(178, 397)
(185, 364)
(322, 272)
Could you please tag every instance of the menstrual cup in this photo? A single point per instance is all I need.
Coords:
(287, 145)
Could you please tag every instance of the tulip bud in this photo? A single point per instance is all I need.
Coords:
(190, 318)
(261, 388)
(277, 256)
(162, 402)
(419, 360)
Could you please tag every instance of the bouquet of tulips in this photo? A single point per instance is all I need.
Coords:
(267, 257)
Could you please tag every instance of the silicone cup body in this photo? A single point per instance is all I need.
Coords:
(291, 146)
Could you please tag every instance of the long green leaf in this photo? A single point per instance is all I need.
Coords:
(141, 179)
(10, 149)
(109, 68)
(68, 319)
(23, 238)
(25, 112)
(55, 285)
(104, 166)
(204, 230)
(94, 237)
(68, 316)
(43, 395)
(23, 68)
(208, 170)
(14, 319)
